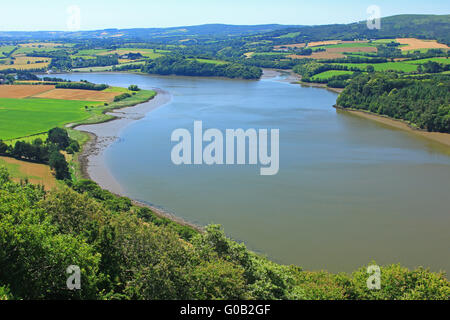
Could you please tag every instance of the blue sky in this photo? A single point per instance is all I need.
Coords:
(100, 14)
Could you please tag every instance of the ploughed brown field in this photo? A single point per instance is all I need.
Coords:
(77, 94)
(352, 49)
(416, 44)
(23, 91)
(319, 55)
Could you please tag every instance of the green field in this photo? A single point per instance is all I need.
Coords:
(25, 117)
(116, 89)
(4, 50)
(29, 119)
(25, 50)
(383, 41)
(329, 74)
(210, 61)
(28, 139)
(397, 66)
(93, 69)
(148, 53)
(422, 61)
(405, 52)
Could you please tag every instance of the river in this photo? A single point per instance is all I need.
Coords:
(349, 190)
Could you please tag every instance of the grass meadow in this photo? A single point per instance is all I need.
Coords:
(397, 66)
(329, 74)
(26, 117)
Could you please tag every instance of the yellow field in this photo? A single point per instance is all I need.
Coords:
(23, 91)
(35, 173)
(125, 61)
(416, 44)
(77, 94)
(26, 63)
(323, 43)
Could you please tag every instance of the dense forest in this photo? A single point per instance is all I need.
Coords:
(127, 252)
(175, 65)
(424, 103)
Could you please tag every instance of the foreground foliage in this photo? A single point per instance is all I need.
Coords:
(122, 256)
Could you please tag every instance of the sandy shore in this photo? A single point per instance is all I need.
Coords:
(104, 134)
(92, 159)
(443, 138)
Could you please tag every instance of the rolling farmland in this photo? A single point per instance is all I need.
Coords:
(25, 117)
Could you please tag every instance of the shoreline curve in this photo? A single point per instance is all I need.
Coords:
(102, 135)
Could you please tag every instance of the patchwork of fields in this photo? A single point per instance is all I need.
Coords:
(335, 49)
(22, 62)
(76, 94)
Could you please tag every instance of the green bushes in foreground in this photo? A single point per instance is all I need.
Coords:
(125, 253)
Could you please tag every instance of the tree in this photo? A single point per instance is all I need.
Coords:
(134, 87)
(3, 147)
(420, 69)
(59, 137)
(59, 164)
(370, 69)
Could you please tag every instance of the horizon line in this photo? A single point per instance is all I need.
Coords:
(225, 24)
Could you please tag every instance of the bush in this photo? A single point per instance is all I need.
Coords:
(399, 283)
(122, 97)
(134, 87)
(82, 86)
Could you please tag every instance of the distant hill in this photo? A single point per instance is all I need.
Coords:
(407, 25)
(216, 30)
